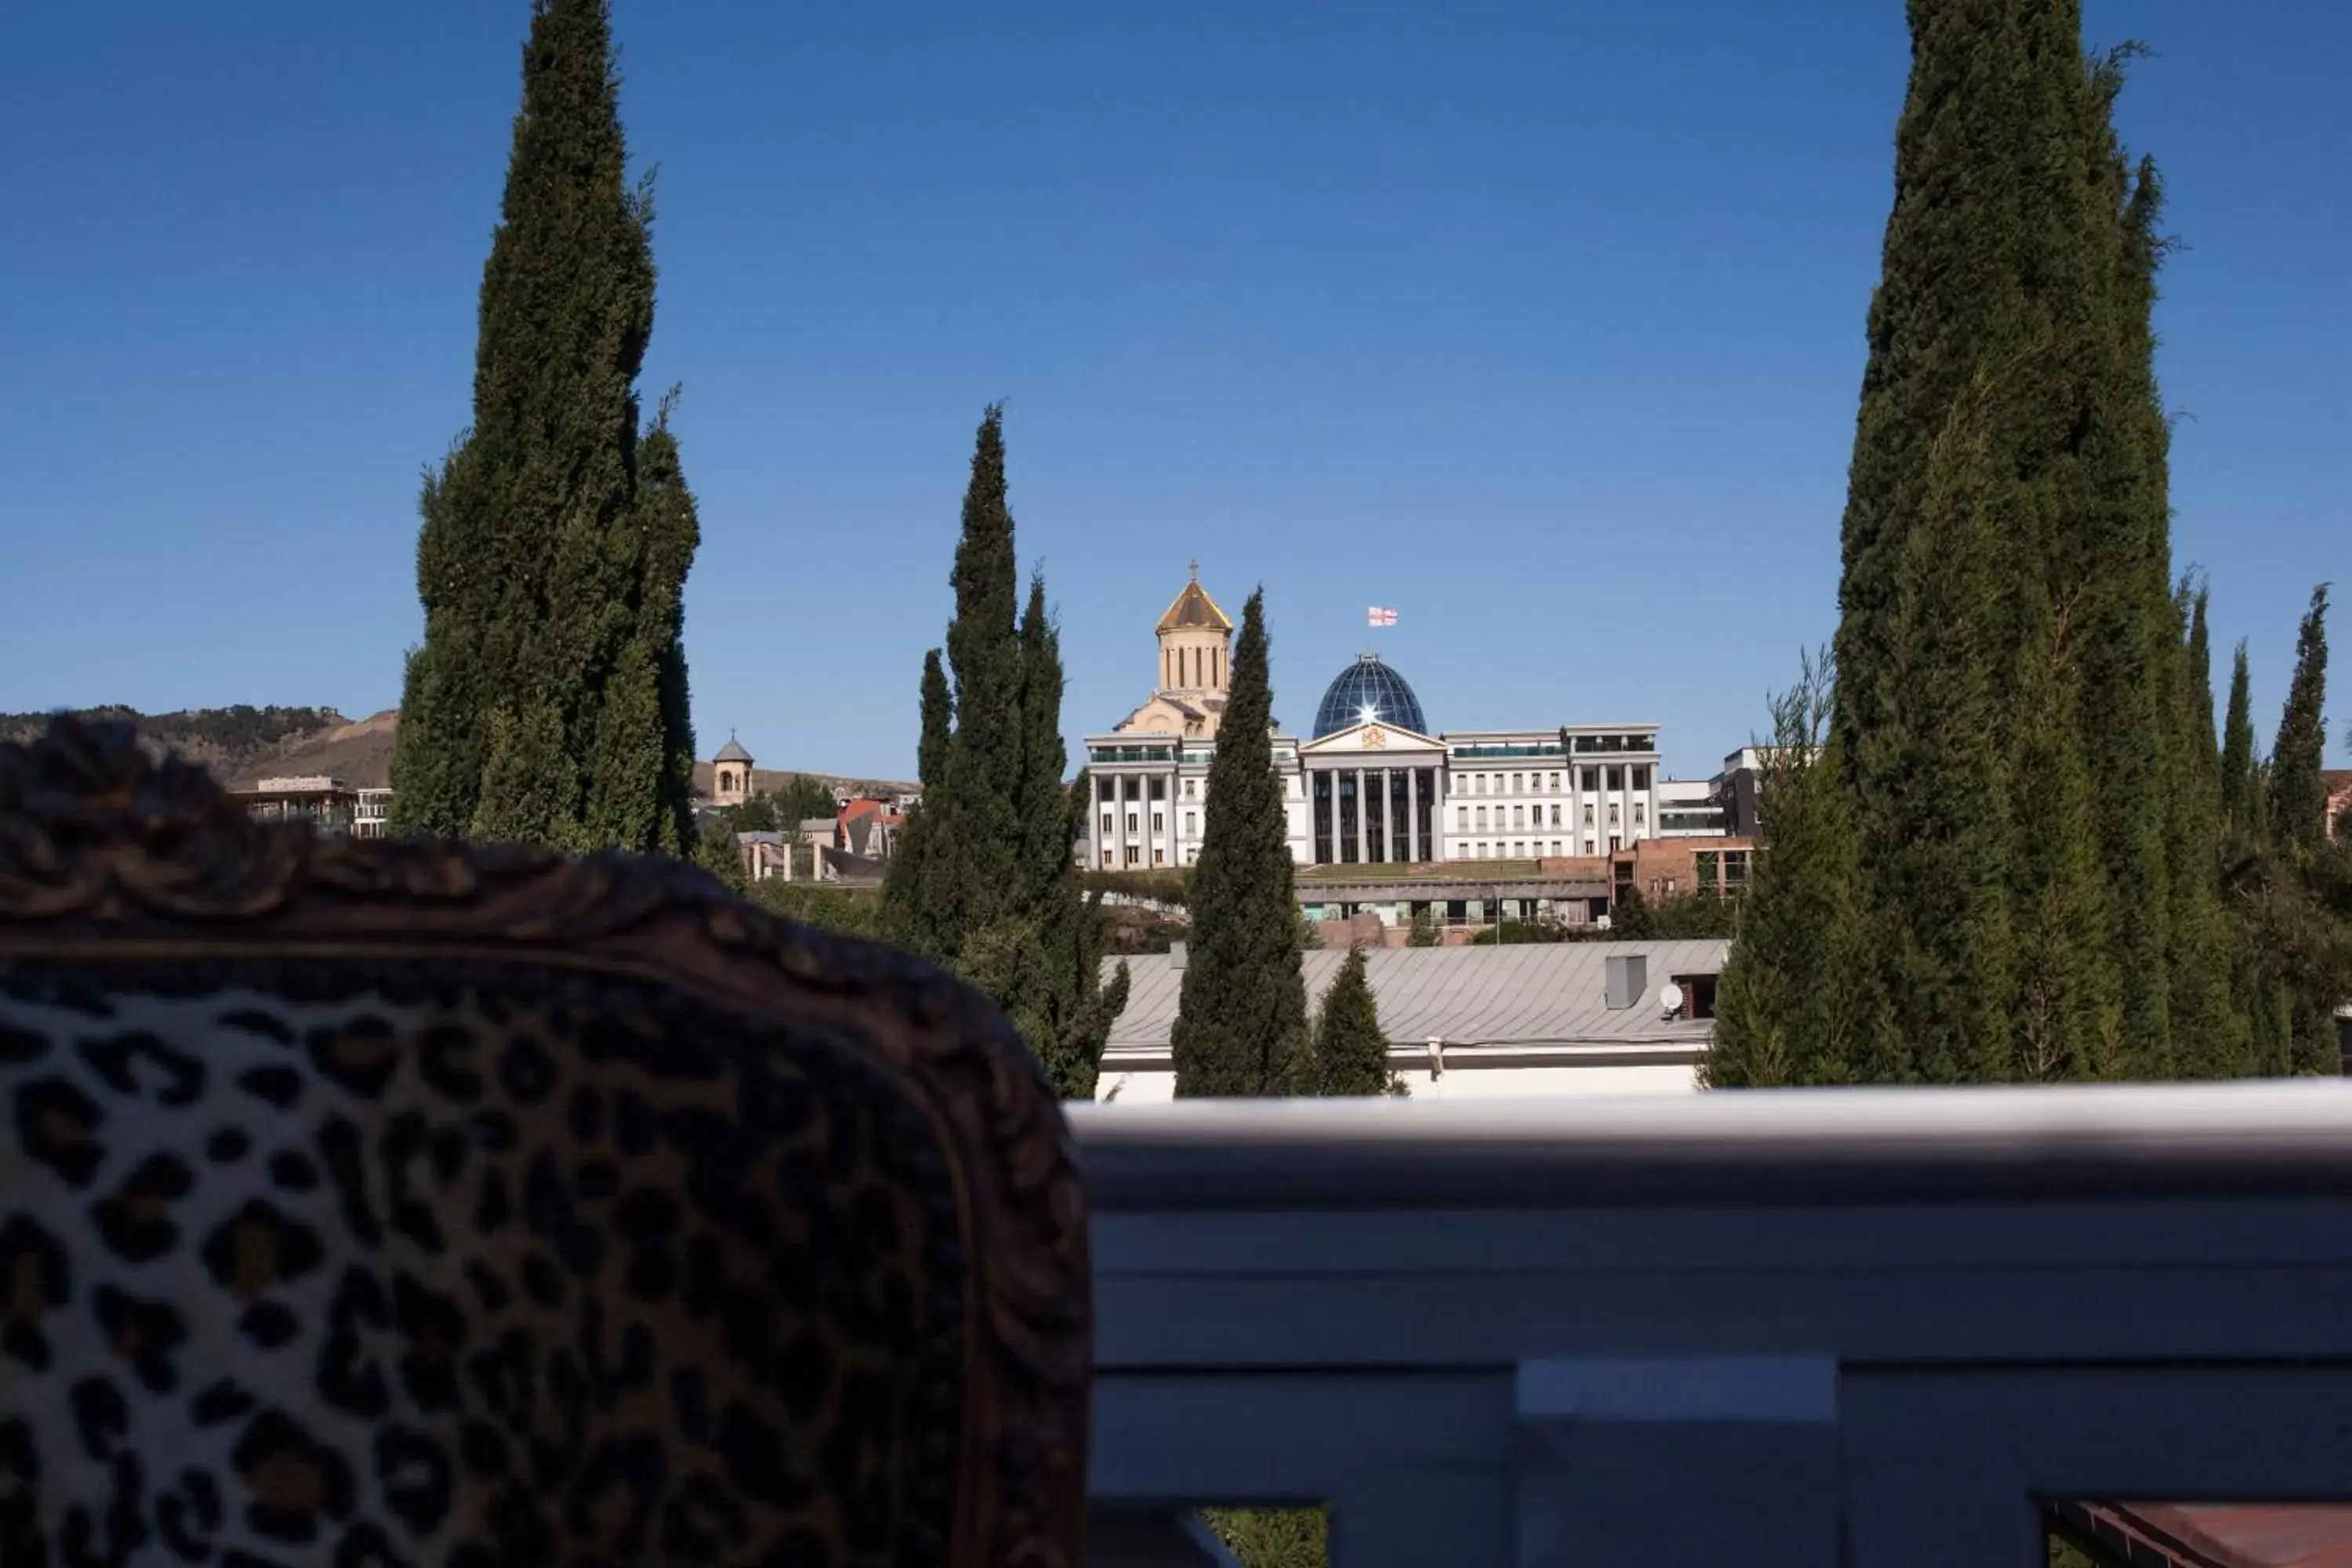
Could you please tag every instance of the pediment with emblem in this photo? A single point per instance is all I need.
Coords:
(1375, 740)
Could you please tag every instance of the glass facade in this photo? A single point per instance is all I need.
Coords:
(1391, 819)
(1369, 691)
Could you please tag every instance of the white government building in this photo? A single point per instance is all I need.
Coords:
(1371, 783)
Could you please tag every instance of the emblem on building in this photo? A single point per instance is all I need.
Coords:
(1375, 738)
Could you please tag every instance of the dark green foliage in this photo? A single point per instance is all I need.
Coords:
(2305, 863)
(913, 921)
(1678, 917)
(1348, 1053)
(1799, 1001)
(714, 850)
(1274, 1537)
(2009, 790)
(1628, 914)
(985, 878)
(1242, 1008)
(802, 798)
(1424, 930)
(849, 910)
(2210, 1038)
(2241, 776)
(547, 702)
(2298, 793)
(977, 830)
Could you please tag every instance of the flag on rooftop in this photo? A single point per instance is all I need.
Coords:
(1377, 616)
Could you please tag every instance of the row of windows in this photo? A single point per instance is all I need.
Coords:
(1520, 849)
(1462, 815)
(1134, 857)
(1159, 823)
(1594, 779)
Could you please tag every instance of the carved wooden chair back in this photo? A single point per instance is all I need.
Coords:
(386, 1203)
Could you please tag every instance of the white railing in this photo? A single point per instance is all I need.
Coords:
(1870, 1328)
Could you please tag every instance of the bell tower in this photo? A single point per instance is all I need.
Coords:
(1196, 639)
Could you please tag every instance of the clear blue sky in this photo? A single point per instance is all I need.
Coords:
(1540, 323)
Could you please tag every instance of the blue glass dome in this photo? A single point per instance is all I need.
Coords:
(1369, 691)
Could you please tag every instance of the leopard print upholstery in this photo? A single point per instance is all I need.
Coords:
(315, 1262)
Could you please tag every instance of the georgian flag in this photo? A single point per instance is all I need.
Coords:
(1377, 616)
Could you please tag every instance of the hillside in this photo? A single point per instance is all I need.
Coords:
(242, 745)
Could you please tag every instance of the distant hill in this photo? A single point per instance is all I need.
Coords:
(241, 745)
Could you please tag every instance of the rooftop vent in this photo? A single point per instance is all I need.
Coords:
(1629, 977)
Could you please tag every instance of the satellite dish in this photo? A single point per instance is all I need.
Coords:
(1670, 997)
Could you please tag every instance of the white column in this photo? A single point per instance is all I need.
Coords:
(1363, 849)
(1412, 815)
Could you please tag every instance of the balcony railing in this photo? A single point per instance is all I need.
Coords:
(1868, 1328)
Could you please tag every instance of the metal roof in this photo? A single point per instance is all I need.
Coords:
(1529, 994)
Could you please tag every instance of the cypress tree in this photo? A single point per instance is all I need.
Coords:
(2298, 793)
(552, 551)
(2009, 719)
(2209, 1035)
(1241, 1010)
(974, 842)
(2298, 838)
(906, 903)
(1348, 1053)
(1799, 1001)
(2240, 778)
(2116, 563)
(641, 775)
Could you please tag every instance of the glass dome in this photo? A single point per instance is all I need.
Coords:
(1369, 691)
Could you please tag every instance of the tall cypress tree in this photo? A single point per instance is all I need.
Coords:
(2209, 1034)
(976, 827)
(550, 560)
(2298, 793)
(2240, 778)
(1241, 1010)
(907, 911)
(1801, 1001)
(2010, 702)
(2298, 836)
(1347, 1051)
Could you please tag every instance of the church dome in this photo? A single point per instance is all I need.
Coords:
(1369, 691)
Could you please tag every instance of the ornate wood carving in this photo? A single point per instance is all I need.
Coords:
(106, 852)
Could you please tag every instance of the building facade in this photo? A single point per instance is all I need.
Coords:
(1372, 783)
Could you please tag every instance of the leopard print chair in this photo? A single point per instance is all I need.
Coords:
(375, 1204)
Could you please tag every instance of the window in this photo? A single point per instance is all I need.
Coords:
(1461, 819)
(1588, 820)
(1110, 823)
(1556, 849)
(1107, 789)
(1106, 861)
(1160, 856)
(1519, 851)
(1159, 789)
(1641, 778)
(1612, 813)
(1519, 816)
(1555, 784)
(1482, 819)
(1587, 844)
(1131, 820)
(1616, 778)
(1592, 778)
(1639, 807)
(1190, 792)
(1555, 816)
(1158, 822)
(1615, 844)
(1516, 780)
(1477, 784)
(1482, 850)
(1191, 824)
(1134, 856)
